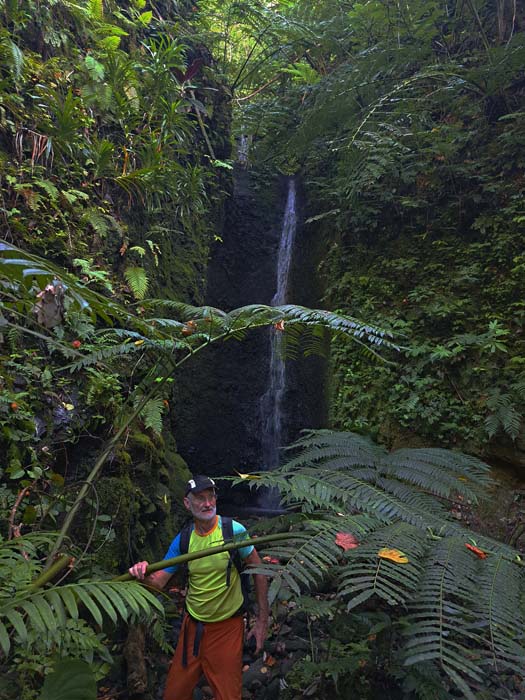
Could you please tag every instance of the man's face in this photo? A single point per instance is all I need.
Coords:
(202, 505)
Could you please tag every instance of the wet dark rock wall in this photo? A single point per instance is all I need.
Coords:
(217, 422)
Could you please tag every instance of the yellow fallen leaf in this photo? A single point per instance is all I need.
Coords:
(139, 342)
(69, 406)
(393, 555)
(247, 476)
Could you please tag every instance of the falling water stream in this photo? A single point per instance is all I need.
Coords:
(271, 404)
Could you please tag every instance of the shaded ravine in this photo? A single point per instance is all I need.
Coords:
(217, 417)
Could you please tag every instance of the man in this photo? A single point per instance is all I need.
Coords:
(212, 633)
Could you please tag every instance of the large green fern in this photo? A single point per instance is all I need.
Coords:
(458, 596)
(31, 612)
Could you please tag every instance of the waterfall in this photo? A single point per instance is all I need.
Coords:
(243, 149)
(271, 405)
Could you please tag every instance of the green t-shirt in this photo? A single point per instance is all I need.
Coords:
(209, 598)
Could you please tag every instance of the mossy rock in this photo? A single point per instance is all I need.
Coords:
(139, 505)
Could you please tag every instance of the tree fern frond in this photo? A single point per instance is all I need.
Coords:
(329, 488)
(445, 460)
(334, 457)
(186, 311)
(13, 268)
(302, 562)
(337, 322)
(97, 219)
(104, 354)
(492, 424)
(209, 323)
(510, 420)
(320, 445)
(441, 619)
(13, 56)
(464, 592)
(366, 574)
(500, 606)
(434, 480)
(416, 499)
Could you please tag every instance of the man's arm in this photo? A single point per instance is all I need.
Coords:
(158, 579)
(260, 629)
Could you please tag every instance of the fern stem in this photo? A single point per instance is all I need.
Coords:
(190, 556)
(61, 562)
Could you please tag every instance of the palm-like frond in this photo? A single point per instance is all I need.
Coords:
(19, 267)
(151, 414)
(196, 326)
(325, 446)
(46, 611)
(501, 606)
(29, 611)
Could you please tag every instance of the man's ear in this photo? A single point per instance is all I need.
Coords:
(186, 502)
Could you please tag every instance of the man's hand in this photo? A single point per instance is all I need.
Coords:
(260, 628)
(156, 580)
(259, 632)
(138, 570)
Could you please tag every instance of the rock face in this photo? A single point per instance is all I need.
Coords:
(218, 402)
(508, 453)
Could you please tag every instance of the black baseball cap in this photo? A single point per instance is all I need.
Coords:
(199, 482)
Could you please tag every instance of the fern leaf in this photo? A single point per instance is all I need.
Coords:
(17, 621)
(46, 613)
(5, 642)
(102, 599)
(70, 602)
(41, 612)
(57, 606)
(366, 574)
(499, 603)
(447, 594)
(138, 281)
(116, 601)
(151, 414)
(104, 354)
(510, 420)
(97, 220)
(86, 598)
(33, 614)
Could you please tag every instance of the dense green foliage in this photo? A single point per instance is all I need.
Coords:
(405, 125)
(406, 121)
(108, 168)
(105, 169)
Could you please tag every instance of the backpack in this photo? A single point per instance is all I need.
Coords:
(235, 557)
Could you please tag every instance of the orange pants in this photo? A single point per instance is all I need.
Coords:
(219, 658)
